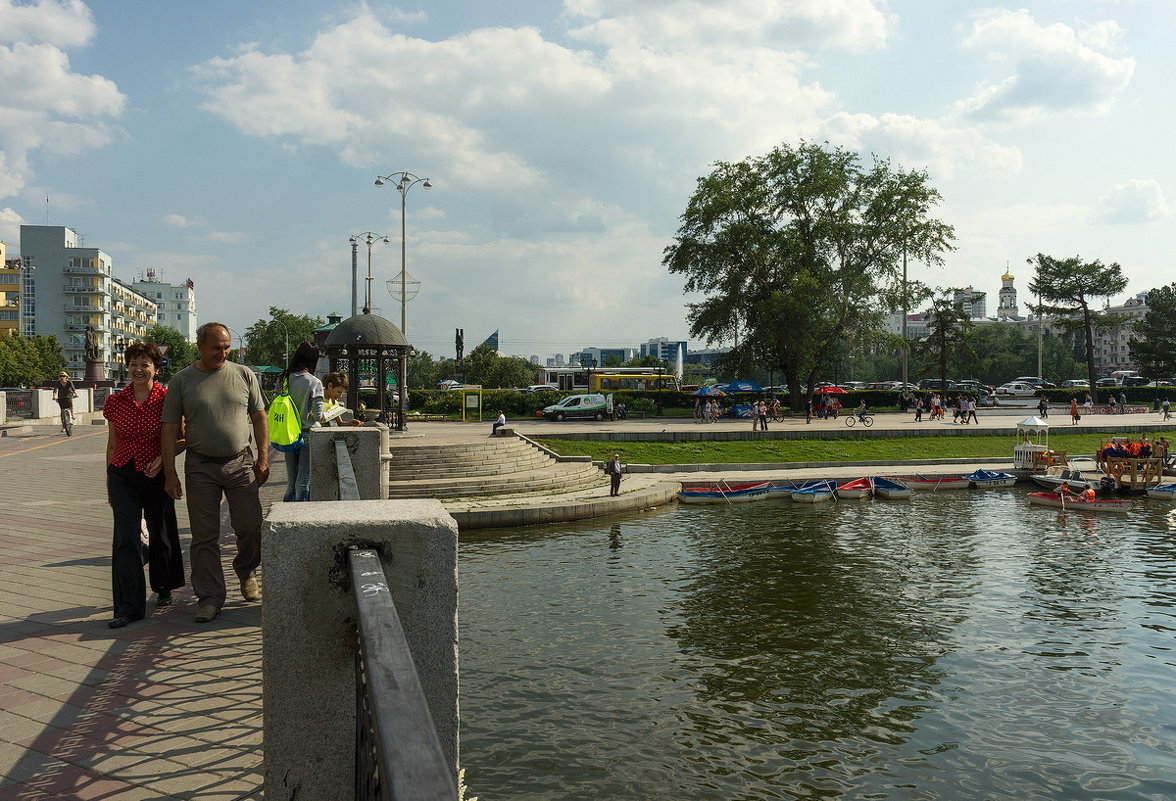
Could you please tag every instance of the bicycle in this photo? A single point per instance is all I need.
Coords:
(67, 420)
(865, 419)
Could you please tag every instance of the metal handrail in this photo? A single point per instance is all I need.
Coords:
(398, 755)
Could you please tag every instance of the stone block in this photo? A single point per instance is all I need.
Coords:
(308, 631)
(364, 444)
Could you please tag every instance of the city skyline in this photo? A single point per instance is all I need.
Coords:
(239, 146)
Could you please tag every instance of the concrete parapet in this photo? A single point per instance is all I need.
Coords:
(365, 444)
(308, 632)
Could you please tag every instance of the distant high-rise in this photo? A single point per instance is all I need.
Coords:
(973, 302)
(663, 348)
(177, 302)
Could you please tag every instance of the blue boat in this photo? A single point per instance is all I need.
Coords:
(991, 478)
(722, 492)
(889, 488)
(815, 492)
(1163, 492)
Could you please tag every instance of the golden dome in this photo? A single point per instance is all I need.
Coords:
(1007, 276)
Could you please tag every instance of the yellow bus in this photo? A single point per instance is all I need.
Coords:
(605, 381)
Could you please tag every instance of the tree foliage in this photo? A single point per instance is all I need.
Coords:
(1066, 288)
(267, 340)
(424, 372)
(800, 251)
(484, 366)
(180, 352)
(946, 344)
(1154, 346)
(30, 361)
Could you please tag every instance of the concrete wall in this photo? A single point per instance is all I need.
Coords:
(365, 444)
(308, 632)
(45, 406)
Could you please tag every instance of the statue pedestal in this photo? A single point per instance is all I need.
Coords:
(95, 370)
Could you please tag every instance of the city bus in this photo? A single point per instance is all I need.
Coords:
(576, 379)
(609, 381)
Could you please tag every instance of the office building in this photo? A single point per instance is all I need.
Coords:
(176, 302)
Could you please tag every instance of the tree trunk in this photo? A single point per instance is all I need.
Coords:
(1089, 352)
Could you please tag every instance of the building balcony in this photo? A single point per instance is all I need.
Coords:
(82, 290)
(75, 270)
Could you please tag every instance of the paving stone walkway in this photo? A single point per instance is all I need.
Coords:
(162, 709)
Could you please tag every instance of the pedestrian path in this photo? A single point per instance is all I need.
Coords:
(162, 709)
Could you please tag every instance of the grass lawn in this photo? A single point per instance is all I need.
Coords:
(814, 450)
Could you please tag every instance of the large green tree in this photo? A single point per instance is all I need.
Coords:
(1067, 288)
(946, 344)
(180, 352)
(800, 250)
(267, 340)
(424, 372)
(484, 366)
(30, 361)
(1154, 345)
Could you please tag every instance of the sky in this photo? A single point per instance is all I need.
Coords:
(237, 144)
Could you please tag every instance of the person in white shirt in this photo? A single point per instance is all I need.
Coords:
(499, 423)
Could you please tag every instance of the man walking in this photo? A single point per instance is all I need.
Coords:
(613, 468)
(219, 404)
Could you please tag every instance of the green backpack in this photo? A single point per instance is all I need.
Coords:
(285, 423)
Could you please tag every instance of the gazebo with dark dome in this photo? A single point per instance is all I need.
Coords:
(373, 353)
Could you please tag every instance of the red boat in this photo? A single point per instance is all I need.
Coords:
(858, 488)
(1071, 502)
(934, 483)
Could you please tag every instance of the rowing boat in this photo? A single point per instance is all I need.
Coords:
(726, 493)
(991, 478)
(1073, 504)
(1165, 492)
(890, 488)
(858, 488)
(934, 483)
(814, 492)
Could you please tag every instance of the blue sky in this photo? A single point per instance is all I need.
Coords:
(237, 143)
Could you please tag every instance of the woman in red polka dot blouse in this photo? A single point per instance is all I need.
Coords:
(134, 487)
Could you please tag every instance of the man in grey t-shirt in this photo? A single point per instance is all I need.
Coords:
(220, 405)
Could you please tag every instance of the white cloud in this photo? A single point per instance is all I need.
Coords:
(226, 237)
(855, 25)
(1136, 201)
(1056, 68)
(65, 23)
(945, 149)
(180, 221)
(10, 223)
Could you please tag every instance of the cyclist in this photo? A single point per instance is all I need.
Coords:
(64, 392)
(861, 411)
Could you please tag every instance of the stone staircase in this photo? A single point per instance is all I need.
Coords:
(499, 467)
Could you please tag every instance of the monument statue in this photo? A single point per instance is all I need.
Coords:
(92, 354)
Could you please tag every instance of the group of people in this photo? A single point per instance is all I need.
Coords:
(1120, 448)
(762, 411)
(210, 411)
(963, 408)
(707, 410)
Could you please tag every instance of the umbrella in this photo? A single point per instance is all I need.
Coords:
(744, 386)
(711, 392)
(448, 383)
(831, 391)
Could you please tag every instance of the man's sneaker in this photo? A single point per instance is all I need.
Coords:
(250, 589)
(206, 613)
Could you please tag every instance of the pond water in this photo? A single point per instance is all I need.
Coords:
(960, 645)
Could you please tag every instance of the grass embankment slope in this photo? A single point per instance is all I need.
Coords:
(814, 450)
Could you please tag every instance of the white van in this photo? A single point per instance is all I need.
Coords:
(592, 405)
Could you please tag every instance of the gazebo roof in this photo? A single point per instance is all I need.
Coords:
(366, 329)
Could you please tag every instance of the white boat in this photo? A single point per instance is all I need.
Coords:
(1165, 492)
(991, 478)
(815, 492)
(1071, 477)
(856, 489)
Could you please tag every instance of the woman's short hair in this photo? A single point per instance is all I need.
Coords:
(149, 350)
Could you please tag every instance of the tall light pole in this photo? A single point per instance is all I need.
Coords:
(368, 238)
(404, 181)
(286, 334)
(906, 345)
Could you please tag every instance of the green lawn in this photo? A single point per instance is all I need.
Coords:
(814, 450)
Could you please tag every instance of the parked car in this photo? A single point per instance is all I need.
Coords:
(540, 388)
(591, 405)
(972, 385)
(1162, 382)
(1107, 382)
(1134, 381)
(1035, 380)
(1076, 383)
(1017, 389)
(934, 383)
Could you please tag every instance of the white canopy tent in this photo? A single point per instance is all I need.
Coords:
(1032, 443)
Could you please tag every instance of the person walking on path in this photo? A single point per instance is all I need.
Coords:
(613, 468)
(64, 393)
(1166, 408)
(499, 423)
(134, 488)
(306, 391)
(219, 403)
(918, 409)
(762, 411)
(1043, 408)
(1074, 415)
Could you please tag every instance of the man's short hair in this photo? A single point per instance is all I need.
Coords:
(202, 331)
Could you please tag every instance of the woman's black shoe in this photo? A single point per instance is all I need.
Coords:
(164, 598)
(121, 621)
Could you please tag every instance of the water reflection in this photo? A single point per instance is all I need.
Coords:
(958, 646)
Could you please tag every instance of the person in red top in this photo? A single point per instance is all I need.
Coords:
(135, 490)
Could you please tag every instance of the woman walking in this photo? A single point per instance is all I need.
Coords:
(307, 393)
(134, 487)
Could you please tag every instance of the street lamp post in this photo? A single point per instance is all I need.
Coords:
(286, 334)
(369, 239)
(906, 345)
(404, 181)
